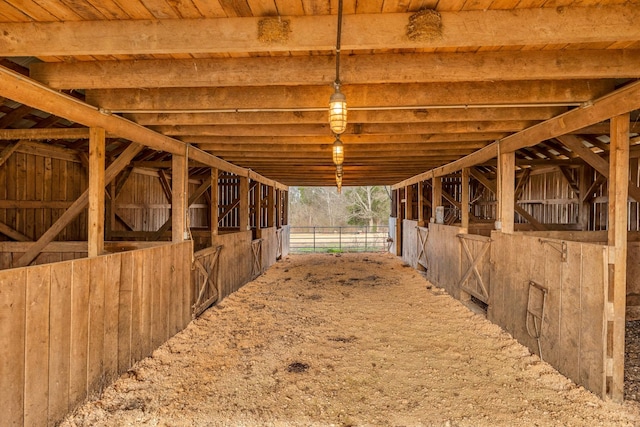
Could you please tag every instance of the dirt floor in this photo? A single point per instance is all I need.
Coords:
(347, 340)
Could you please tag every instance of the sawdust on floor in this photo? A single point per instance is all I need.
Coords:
(351, 340)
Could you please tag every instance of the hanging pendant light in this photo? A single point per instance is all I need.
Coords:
(338, 102)
(338, 111)
(338, 152)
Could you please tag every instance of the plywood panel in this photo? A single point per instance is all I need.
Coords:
(443, 255)
(95, 365)
(174, 289)
(158, 300)
(36, 369)
(592, 331)
(12, 334)
(410, 242)
(111, 305)
(60, 340)
(235, 261)
(79, 331)
(569, 323)
(137, 306)
(125, 312)
(146, 302)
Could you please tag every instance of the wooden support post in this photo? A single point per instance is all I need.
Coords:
(506, 190)
(421, 220)
(110, 211)
(285, 208)
(436, 196)
(617, 239)
(278, 208)
(271, 207)
(399, 218)
(96, 191)
(586, 180)
(257, 208)
(408, 197)
(633, 214)
(243, 194)
(179, 180)
(214, 209)
(464, 202)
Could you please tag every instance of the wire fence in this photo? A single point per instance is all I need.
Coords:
(339, 239)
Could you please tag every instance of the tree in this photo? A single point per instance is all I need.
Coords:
(368, 205)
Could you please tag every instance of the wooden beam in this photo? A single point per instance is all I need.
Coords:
(433, 115)
(358, 95)
(516, 27)
(319, 70)
(464, 203)
(214, 142)
(96, 191)
(621, 101)
(214, 210)
(78, 206)
(617, 239)
(179, 178)
(436, 196)
(8, 151)
(41, 134)
(353, 128)
(243, 205)
(13, 233)
(506, 191)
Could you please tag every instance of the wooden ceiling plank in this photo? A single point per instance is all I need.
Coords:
(358, 116)
(611, 23)
(347, 139)
(356, 69)
(385, 95)
(359, 129)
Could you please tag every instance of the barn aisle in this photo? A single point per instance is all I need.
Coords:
(345, 340)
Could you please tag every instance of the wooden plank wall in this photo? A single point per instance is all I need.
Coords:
(235, 261)
(392, 228)
(286, 239)
(410, 242)
(37, 184)
(444, 257)
(269, 247)
(573, 338)
(573, 331)
(68, 329)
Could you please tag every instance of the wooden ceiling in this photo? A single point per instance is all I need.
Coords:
(208, 73)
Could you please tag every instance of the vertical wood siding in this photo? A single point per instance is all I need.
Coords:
(70, 328)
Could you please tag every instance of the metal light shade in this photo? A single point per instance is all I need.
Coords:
(338, 152)
(338, 112)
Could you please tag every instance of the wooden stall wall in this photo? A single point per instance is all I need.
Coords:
(548, 196)
(443, 254)
(68, 329)
(572, 334)
(269, 247)
(392, 233)
(236, 261)
(285, 236)
(410, 242)
(38, 182)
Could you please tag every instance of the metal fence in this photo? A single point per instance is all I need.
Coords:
(339, 239)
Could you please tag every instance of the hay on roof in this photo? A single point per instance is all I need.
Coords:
(424, 25)
(273, 30)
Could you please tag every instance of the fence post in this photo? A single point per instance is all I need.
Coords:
(314, 239)
(366, 230)
(340, 240)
